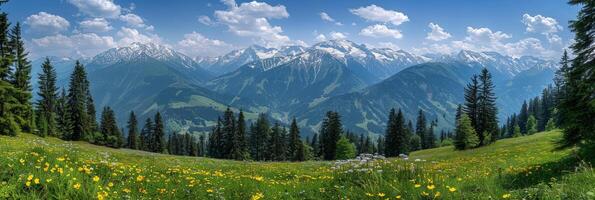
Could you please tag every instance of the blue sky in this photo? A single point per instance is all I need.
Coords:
(83, 28)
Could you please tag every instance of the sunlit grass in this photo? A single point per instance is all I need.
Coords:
(526, 167)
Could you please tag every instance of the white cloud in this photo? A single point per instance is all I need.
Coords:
(541, 24)
(437, 33)
(379, 30)
(95, 25)
(320, 38)
(130, 35)
(97, 8)
(194, 44)
(378, 14)
(251, 20)
(135, 21)
(485, 35)
(325, 17)
(78, 45)
(43, 22)
(206, 20)
(337, 35)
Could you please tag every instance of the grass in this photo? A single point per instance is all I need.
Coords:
(520, 168)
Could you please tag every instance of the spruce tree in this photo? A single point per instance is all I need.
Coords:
(260, 137)
(146, 135)
(159, 134)
(110, 133)
(420, 129)
(471, 107)
(276, 145)
(523, 117)
(430, 139)
(487, 122)
(21, 79)
(531, 125)
(577, 107)
(345, 149)
(133, 139)
(295, 150)
(63, 119)
(465, 136)
(77, 100)
(47, 103)
(228, 130)
(239, 150)
(397, 136)
(330, 133)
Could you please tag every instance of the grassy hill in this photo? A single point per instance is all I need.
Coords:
(527, 167)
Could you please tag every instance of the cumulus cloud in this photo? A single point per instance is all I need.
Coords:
(95, 25)
(251, 20)
(378, 14)
(135, 21)
(131, 35)
(337, 35)
(325, 17)
(195, 44)
(540, 24)
(206, 20)
(380, 30)
(320, 38)
(437, 33)
(78, 45)
(43, 22)
(97, 8)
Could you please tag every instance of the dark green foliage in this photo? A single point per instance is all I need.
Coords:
(330, 133)
(276, 145)
(487, 122)
(133, 139)
(182, 144)
(77, 103)
(47, 105)
(239, 146)
(420, 129)
(471, 107)
(110, 133)
(397, 135)
(577, 105)
(63, 119)
(146, 135)
(531, 125)
(260, 134)
(159, 145)
(295, 151)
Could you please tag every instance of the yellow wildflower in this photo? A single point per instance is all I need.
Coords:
(140, 178)
(209, 190)
(28, 183)
(437, 195)
(398, 197)
(49, 180)
(110, 184)
(431, 187)
(417, 185)
(257, 196)
(126, 190)
(22, 161)
(452, 189)
(60, 159)
(380, 194)
(95, 178)
(36, 181)
(506, 196)
(76, 186)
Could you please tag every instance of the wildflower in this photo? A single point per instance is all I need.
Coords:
(417, 185)
(431, 187)
(210, 190)
(423, 193)
(60, 159)
(49, 180)
(76, 186)
(126, 190)
(257, 196)
(369, 194)
(28, 183)
(380, 194)
(437, 195)
(30, 177)
(22, 161)
(398, 197)
(95, 178)
(452, 189)
(140, 178)
(506, 196)
(36, 181)
(110, 184)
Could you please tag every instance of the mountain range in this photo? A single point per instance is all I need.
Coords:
(359, 82)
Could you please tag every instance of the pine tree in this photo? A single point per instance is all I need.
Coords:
(48, 98)
(276, 145)
(133, 140)
(523, 117)
(531, 125)
(330, 133)
(295, 146)
(259, 138)
(420, 129)
(239, 150)
(228, 130)
(77, 100)
(430, 138)
(472, 105)
(315, 144)
(21, 79)
(397, 135)
(577, 107)
(345, 149)
(159, 134)
(214, 146)
(146, 135)
(63, 119)
(551, 125)
(487, 122)
(465, 136)
(110, 133)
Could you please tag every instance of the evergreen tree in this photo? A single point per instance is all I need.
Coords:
(295, 146)
(315, 144)
(380, 148)
(110, 133)
(133, 140)
(345, 149)
(551, 125)
(239, 150)
(330, 133)
(472, 104)
(260, 137)
(215, 144)
(531, 125)
(146, 135)
(523, 117)
(63, 123)
(420, 129)
(159, 135)
(517, 131)
(465, 136)
(430, 138)
(276, 145)
(21, 79)
(48, 98)
(77, 100)
(577, 107)
(397, 135)
(487, 122)
(228, 130)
